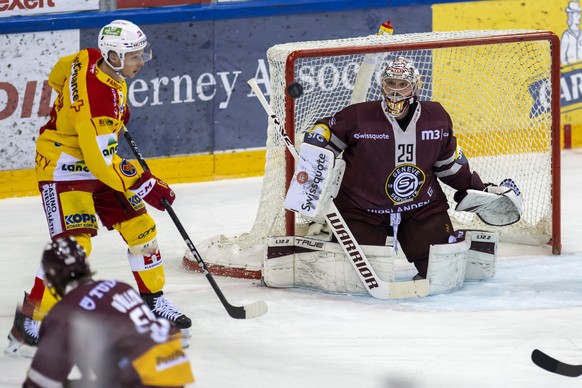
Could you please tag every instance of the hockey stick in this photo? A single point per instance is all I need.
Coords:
(368, 66)
(373, 284)
(252, 310)
(550, 364)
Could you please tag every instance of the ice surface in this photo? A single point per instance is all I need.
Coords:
(479, 336)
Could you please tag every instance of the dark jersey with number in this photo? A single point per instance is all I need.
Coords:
(106, 328)
(391, 169)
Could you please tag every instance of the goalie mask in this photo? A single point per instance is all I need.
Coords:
(122, 37)
(401, 83)
(64, 261)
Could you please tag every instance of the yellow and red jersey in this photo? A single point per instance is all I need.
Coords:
(79, 142)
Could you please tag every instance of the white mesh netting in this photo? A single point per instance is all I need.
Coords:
(498, 95)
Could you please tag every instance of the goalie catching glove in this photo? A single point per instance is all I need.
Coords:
(495, 205)
(153, 190)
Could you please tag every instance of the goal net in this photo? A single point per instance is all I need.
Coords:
(501, 89)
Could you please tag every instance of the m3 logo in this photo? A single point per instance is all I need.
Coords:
(431, 134)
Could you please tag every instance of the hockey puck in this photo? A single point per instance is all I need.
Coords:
(295, 89)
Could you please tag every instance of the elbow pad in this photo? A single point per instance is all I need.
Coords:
(321, 136)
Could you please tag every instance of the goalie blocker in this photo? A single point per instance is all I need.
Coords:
(293, 261)
(315, 183)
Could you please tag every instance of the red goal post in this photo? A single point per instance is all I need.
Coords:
(501, 88)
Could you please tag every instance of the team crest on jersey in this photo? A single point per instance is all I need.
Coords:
(404, 183)
(127, 168)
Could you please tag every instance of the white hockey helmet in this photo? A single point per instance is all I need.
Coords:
(121, 37)
(401, 83)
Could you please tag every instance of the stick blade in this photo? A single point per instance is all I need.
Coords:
(410, 289)
(255, 309)
(401, 290)
(252, 310)
(544, 361)
(552, 365)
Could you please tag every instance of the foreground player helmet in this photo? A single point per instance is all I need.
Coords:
(401, 84)
(64, 261)
(121, 37)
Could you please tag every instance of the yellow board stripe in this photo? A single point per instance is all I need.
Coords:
(182, 169)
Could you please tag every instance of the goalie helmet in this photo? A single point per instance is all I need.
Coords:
(122, 37)
(64, 261)
(401, 83)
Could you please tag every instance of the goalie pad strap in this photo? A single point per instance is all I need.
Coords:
(482, 255)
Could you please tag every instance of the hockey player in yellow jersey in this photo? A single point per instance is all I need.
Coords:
(82, 179)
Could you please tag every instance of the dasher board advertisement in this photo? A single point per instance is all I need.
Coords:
(37, 7)
(123, 4)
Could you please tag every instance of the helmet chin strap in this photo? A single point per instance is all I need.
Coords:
(118, 72)
(116, 69)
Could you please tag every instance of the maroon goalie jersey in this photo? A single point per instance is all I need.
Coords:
(392, 169)
(106, 330)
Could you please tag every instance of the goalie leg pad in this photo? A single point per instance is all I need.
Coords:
(315, 264)
(447, 265)
(278, 267)
(472, 258)
(482, 255)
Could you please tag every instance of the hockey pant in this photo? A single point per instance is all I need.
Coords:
(143, 254)
(72, 209)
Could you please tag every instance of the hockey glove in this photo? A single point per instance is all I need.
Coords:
(153, 191)
(495, 205)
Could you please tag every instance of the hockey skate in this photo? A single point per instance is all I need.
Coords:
(163, 308)
(23, 338)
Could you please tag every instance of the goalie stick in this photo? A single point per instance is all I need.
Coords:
(252, 310)
(374, 285)
(550, 364)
